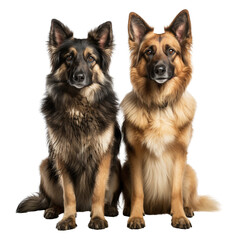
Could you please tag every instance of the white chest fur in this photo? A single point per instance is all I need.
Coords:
(158, 162)
(157, 177)
(160, 132)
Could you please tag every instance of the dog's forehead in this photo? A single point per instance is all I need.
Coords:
(160, 40)
(170, 40)
(80, 46)
(151, 37)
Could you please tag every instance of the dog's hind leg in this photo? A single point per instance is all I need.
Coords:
(189, 190)
(51, 188)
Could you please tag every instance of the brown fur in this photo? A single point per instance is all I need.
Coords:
(158, 129)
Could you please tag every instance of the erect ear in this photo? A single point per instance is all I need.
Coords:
(137, 28)
(58, 33)
(102, 35)
(181, 27)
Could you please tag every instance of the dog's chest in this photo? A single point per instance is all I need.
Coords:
(160, 132)
(157, 177)
(75, 115)
(82, 116)
(80, 133)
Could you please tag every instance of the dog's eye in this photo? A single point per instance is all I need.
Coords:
(149, 52)
(91, 59)
(170, 51)
(69, 58)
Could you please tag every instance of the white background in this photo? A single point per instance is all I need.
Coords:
(213, 152)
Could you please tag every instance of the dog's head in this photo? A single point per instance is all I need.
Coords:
(161, 68)
(80, 63)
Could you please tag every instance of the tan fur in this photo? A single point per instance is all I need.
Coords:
(69, 198)
(98, 74)
(98, 77)
(104, 140)
(158, 130)
(98, 198)
(90, 92)
(60, 72)
(137, 185)
(60, 146)
(72, 50)
(89, 51)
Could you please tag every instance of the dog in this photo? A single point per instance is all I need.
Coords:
(82, 171)
(157, 126)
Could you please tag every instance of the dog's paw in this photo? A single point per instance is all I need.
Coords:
(67, 223)
(50, 213)
(181, 222)
(98, 223)
(110, 211)
(135, 223)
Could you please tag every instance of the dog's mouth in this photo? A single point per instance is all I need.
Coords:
(79, 85)
(161, 80)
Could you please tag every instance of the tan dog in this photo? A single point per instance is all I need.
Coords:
(158, 125)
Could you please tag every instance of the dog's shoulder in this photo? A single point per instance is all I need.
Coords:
(185, 109)
(134, 111)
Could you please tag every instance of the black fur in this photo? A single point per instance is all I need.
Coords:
(73, 136)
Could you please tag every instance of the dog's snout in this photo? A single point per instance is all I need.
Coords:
(79, 77)
(160, 70)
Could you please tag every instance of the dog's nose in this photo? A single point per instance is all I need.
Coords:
(160, 70)
(79, 77)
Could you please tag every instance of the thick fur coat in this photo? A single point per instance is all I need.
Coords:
(158, 125)
(82, 172)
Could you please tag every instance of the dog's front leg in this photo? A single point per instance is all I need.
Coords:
(179, 219)
(68, 220)
(98, 220)
(136, 220)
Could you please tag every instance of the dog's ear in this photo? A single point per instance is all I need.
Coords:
(102, 36)
(58, 33)
(181, 27)
(137, 28)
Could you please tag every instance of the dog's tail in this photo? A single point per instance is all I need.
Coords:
(33, 203)
(205, 203)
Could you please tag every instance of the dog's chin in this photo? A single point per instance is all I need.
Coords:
(160, 80)
(77, 86)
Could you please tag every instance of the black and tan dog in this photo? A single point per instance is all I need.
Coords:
(82, 171)
(158, 125)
